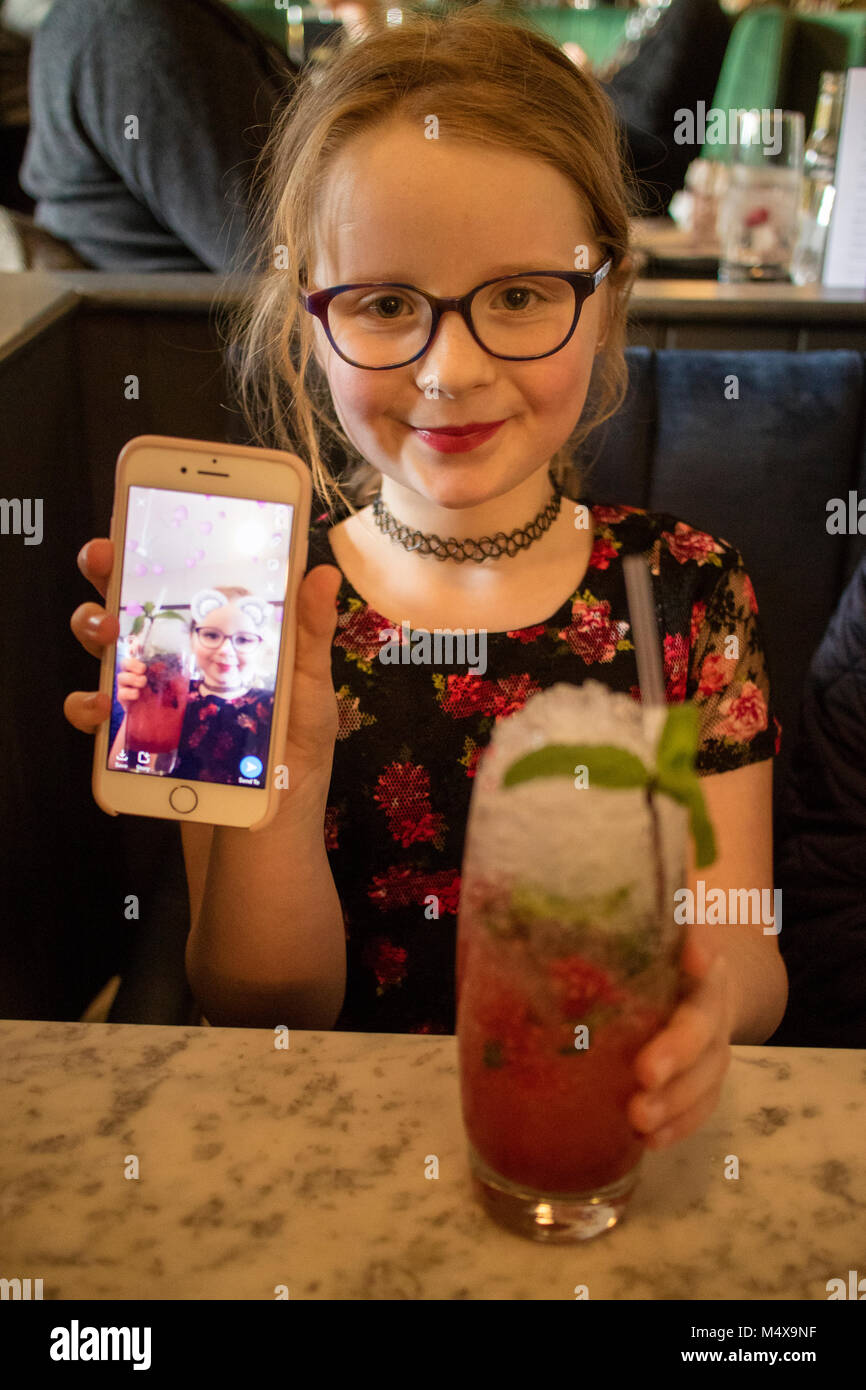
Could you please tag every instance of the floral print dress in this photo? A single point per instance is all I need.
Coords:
(410, 737)
(218, 733)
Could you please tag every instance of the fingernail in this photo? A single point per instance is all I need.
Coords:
(93, 624)
(663, 1070)
(92, 701)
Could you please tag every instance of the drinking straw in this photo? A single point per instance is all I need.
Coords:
(652, 690)
(643, 626)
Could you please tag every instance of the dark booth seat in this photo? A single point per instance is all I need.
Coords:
(757, 470)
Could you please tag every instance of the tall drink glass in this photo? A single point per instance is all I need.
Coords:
(155, 719)
(567, 960)
(759, 214)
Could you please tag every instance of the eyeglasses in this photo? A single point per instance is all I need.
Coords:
(213, 638)
(518, 318)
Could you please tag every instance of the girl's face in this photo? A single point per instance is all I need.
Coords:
(228, 665)
(446, 216)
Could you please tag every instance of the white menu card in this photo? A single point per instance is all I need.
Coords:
(845, 261)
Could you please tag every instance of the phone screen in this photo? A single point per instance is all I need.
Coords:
(202, 594)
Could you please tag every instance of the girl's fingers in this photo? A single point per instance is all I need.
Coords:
(690, 1119)
(653, 1112)
(313, 721)
(95, 560)
(86, 710)
(699, 1020)
(94, 628)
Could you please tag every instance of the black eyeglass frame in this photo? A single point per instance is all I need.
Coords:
(227, 637)
(583, 282)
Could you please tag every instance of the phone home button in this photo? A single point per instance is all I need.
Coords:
(183, 800)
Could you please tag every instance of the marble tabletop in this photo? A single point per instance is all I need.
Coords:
(310, 1168)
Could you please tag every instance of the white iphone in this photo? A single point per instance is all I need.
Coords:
(210, 546)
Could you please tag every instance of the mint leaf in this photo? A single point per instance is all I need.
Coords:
(676, 776)
(678, 741)
(607, 765)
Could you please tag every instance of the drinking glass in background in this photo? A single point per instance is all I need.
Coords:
(567, 958)
(155, 719)
(760, 210)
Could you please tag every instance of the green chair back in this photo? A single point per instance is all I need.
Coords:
(775, 58)
(266, 18)
(598, 32)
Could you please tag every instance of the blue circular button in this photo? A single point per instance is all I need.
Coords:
(251, 766)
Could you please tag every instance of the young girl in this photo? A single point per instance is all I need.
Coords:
(228, 715)
(439, 157)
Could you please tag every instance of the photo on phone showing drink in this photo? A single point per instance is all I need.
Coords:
(210, 545)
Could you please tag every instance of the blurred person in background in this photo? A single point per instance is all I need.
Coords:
(204, 84)
(821, 841)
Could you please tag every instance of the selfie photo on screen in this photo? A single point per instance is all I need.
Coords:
(200, 633)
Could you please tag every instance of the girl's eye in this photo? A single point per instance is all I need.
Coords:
(518, 297)
(386, 306)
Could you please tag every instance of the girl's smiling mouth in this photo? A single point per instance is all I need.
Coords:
(445, 441)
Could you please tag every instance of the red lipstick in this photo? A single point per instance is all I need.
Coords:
(457, 439)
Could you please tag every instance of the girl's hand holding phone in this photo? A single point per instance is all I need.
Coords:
(313, 720)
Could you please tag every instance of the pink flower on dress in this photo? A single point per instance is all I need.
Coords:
(470, 695)
(404, 886)
(609, 516)
(358, 631)
(676, 663)
(744, 715)
(528, 634)
(685, 543)
(603, 551)
(699, 612)
(387, 961)
(403, 792)
(592, 634)
(716, 671)
(512, 692)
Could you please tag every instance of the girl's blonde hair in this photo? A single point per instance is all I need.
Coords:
(493, 81)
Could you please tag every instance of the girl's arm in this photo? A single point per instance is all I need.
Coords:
(740, 805)
(267, 943)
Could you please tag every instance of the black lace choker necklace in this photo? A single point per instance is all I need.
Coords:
(487, 547)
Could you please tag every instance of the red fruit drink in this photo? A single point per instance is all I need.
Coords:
(155, 719)
(544, 1103)
(567, 960)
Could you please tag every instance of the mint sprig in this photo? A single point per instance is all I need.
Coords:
(610, 766)
(149, 615)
